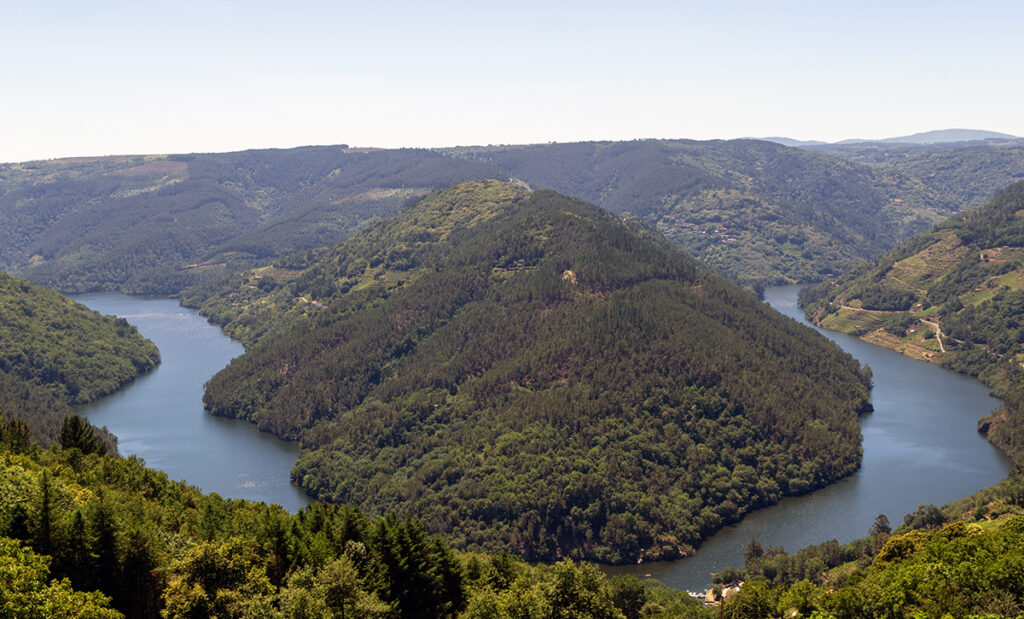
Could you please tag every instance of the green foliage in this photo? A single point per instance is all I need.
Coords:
(76, 353)
(888, 299)
(530, 373)
(151, 547)
(777, 567)
(959, 570)
(76, 433)
(55, 352)
(26, 590)
(580, 591)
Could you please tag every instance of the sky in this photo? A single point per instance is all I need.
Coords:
(106, 77)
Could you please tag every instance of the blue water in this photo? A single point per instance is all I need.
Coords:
(160, 416)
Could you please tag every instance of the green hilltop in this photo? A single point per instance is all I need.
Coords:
(526, 371)
(754, 211)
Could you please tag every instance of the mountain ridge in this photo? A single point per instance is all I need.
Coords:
(158, 224)
(937, 136)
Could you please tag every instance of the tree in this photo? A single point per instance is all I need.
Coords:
(340, 588)
(754, 551)
(26, 592)
(580, 590)
(15, 435)
(754, 601)
(629, 595)
(880, 530)
(78, 433)
(43, 534)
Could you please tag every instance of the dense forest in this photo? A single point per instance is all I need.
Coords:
(526, 371)
(55, 353)
(754, 211)
(88, 535)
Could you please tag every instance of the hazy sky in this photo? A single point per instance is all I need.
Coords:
(97, 78)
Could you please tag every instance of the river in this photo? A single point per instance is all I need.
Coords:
(160, 416)
(920, 444)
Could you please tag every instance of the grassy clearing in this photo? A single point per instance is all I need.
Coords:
(916, 347)
(855, 320)
(1014, 279)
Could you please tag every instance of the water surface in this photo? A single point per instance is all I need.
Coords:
(160, 416)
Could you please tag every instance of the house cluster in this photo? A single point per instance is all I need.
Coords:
(714, 596)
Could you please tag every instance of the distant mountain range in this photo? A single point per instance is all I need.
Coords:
(755, 211)
(940, 136)
(752, 210)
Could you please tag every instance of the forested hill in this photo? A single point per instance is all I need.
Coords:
(750, 209)
(521, 369)
(155, 224)
(55, 352)
(948, 295)
(953, 295)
